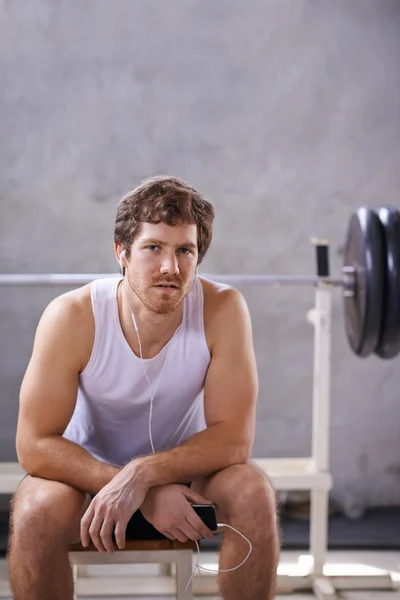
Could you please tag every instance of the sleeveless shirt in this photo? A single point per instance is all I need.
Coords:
(111, 416)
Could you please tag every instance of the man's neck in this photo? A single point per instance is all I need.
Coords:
(155, 330)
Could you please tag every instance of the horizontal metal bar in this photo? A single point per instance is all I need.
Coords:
(81, 279)
(275, 280)
(52, 279)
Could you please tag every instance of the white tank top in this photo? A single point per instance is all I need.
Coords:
(111, 417)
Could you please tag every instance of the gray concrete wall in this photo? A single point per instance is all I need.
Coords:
(285, 113)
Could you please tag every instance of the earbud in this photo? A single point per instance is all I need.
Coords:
(121, 257)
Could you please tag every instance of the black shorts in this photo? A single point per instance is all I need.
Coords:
(139, 528)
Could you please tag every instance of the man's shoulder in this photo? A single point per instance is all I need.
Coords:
(220, 296)
(68, 323)
(224, 305)
(70, 306)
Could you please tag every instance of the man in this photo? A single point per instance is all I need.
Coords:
(139, 401)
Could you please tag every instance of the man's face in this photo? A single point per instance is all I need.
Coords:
(162, 265)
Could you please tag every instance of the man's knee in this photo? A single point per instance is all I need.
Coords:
(243, 489)
(45, 510)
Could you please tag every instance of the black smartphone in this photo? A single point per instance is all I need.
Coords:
(207, 514)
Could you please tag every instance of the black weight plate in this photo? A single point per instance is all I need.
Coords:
(389, 339)
(364, 251)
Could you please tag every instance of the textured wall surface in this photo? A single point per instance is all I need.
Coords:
(284, 113)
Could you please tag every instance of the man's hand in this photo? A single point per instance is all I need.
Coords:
(111, 509)
(168, 508)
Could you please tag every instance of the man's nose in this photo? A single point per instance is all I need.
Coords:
(170, 265)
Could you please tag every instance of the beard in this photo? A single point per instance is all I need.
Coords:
(153, 298)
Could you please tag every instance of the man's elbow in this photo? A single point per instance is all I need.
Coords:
(240, 452)
(246, 449)
(28, 454)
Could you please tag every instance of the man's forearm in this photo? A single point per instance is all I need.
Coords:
(204, 453)
(59, 459)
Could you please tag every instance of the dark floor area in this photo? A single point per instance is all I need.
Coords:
(379, 529)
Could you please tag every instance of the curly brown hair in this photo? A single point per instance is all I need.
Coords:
(168, 200)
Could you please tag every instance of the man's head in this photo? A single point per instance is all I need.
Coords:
(165, 228)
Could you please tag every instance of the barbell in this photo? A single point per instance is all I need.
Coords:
(372, 254)
(370, 280)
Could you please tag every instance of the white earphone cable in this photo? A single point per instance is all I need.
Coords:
(152, 394)
(199, 567)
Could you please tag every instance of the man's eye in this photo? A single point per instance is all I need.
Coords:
(152, 247)
(184, 250)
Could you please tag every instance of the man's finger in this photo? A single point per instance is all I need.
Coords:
(94, 531)
(196, 498)
(181, 537)
(85, 524)
(106, 533)
(188, 529)
(120, 532)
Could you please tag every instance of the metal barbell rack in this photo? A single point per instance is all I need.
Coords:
(289, 474)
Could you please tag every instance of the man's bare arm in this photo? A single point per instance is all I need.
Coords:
(230, 393)
(47, 402)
